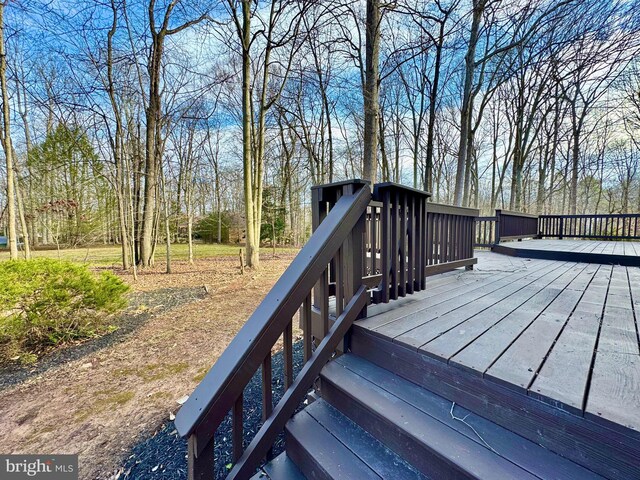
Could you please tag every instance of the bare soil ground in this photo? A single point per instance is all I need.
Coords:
(101, 404)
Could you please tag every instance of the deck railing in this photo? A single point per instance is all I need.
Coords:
(485, 233)
(221, 391)
(507, 225)
(363, 249)
(595, 226)
(515, 225)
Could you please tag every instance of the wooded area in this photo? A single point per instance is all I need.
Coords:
(150, 122)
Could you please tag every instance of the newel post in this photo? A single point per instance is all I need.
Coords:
(498, 223)
(346, 270)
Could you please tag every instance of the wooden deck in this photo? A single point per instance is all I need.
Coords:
(589, 251)
(562, 332)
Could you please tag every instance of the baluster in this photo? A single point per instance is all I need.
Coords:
(200, 467)
(374, 240)
(339, 276)
(429, 243)
(287, 351)
(445, 245)
(267, 394)
(324, 304)
(395, 213)
(306, 326)
(411, 245)
(237, 426)
(461, 238)
(437, 226)
(386, 246)
(420, 233)
(402, 246)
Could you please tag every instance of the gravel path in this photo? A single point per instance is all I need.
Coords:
(142, 306)
(163, 456)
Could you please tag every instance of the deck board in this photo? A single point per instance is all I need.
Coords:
(564, 376)
(562, 332)
(450, 343)
(484, 351)
(594, 251)
(460, 297)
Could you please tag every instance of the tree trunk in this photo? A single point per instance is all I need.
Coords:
(433, 99)
(7, 146)
(252, 258)
(371, 94)
(467, 103)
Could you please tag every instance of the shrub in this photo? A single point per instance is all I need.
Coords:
(45, 303)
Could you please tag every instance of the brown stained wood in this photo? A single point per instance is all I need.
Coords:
(237, 428)
(220, 388)
(613, 394)
(287, 351)
(305, 313)
(200, 467)
(270, 429)
(527, 455)
(316, 450)
(589, 251)
(267, 391)
(610, 452)
(429, 445)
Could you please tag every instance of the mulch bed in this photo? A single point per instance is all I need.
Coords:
(164, 454)
(142, 306)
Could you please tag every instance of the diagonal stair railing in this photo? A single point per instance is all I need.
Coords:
(364, 249)
(221, 391)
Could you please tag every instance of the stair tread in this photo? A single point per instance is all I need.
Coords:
(475, 445)
(280, 468)
(318, 454)
(386, 463)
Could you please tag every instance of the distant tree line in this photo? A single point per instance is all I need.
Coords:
(142, 123)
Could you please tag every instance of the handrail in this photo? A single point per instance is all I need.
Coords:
(223, 386)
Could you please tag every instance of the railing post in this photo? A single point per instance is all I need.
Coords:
(561, 230)
(498, 222)
(323, 197)
(200, 466)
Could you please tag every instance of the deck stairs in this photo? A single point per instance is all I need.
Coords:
(370, 422)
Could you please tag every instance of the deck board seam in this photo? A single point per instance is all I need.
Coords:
(535, 375)
(510, 313)
(633, 307)
(500, 301)
(536, 271)
(529, 325)
(475, 286)
(585, 400)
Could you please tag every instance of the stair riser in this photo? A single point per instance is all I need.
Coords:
(425, 460)
(597, 448)
(304, 460)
